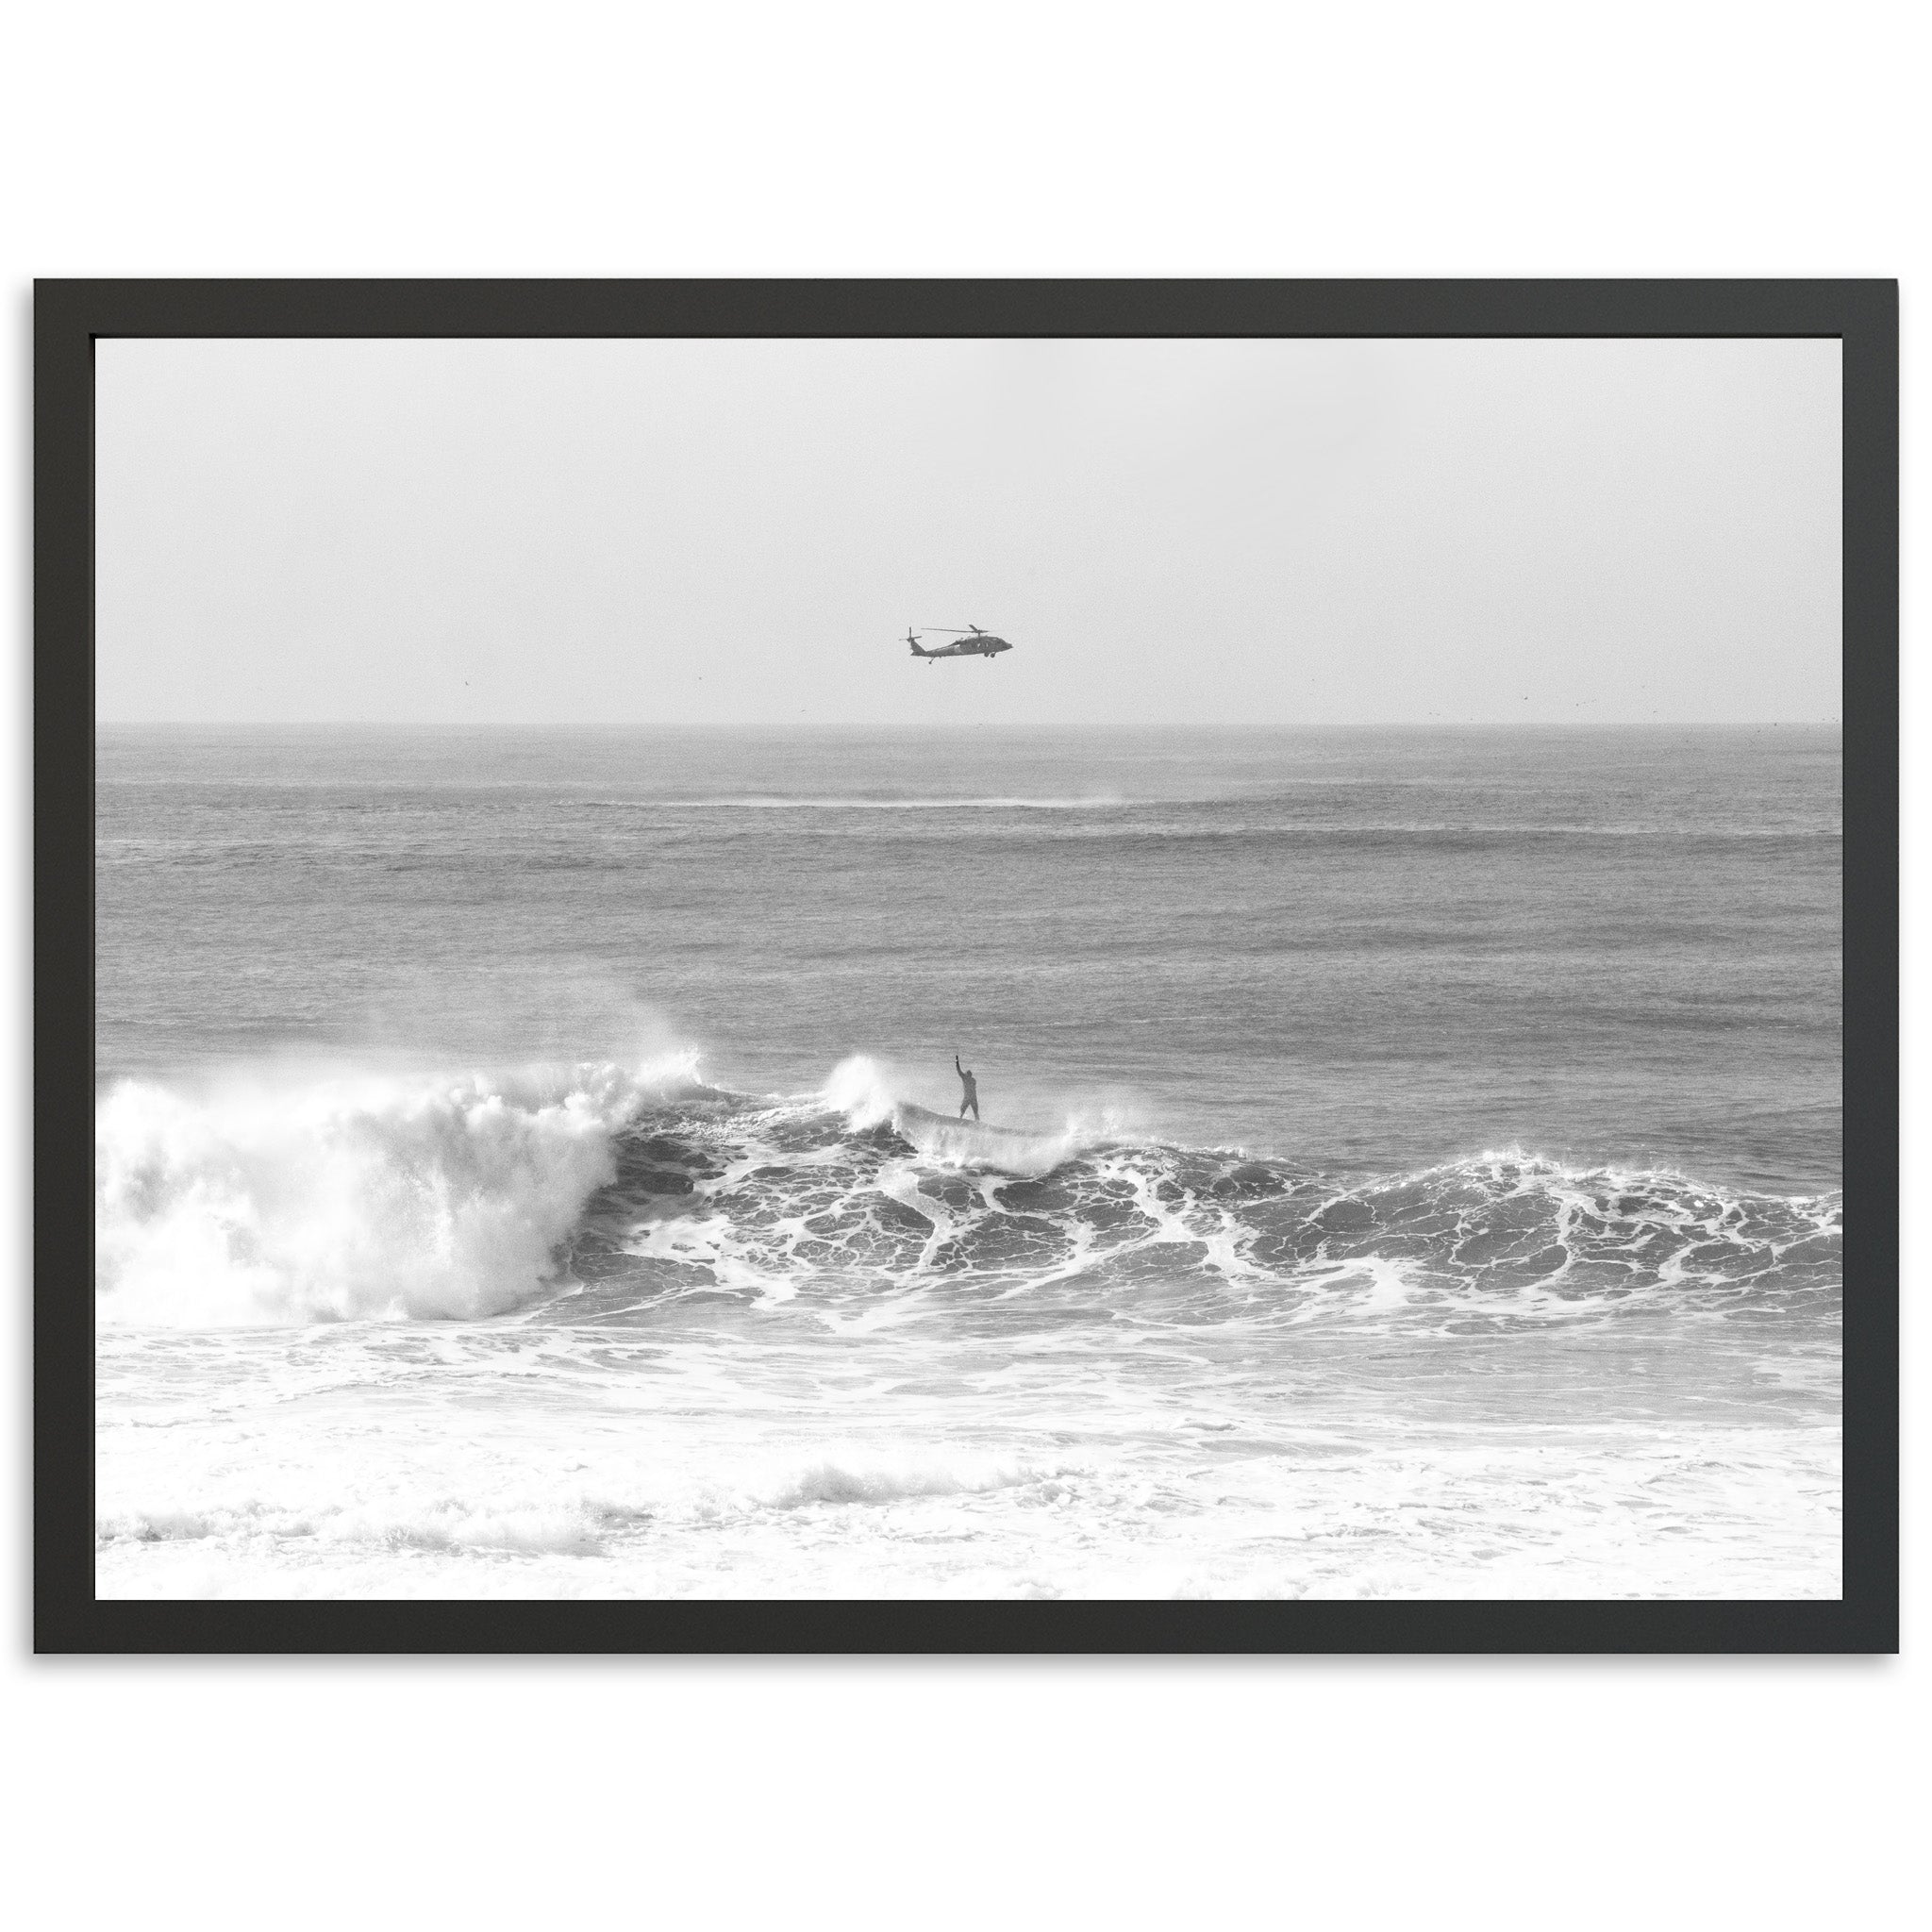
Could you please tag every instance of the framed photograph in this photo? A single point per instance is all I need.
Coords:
(967, 966)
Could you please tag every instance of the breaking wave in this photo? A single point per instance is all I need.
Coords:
(602, 1195)
(284, 1199)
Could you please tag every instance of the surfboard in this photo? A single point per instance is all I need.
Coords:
(970, 1142)
(906, 1116)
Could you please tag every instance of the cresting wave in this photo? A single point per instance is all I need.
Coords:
(607, 1197)
(285, 1199)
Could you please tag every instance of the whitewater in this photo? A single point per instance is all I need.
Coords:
(1436, 1196)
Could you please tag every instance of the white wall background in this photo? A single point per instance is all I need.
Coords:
(1036, 139)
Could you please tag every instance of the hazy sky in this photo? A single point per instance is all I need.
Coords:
(1265, 532)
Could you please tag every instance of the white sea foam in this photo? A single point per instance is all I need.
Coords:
(863, 1090)
(861, 1087)
(274, 1198)
(491, 1459)
(1099, 801)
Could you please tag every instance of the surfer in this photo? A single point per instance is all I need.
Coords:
(971, 1096)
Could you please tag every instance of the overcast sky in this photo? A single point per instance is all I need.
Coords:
(1263, 532)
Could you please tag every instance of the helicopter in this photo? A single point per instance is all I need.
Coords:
(974, 642)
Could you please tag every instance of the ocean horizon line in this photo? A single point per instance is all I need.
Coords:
(1086, 728)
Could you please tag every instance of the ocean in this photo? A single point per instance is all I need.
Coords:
(527, 1163)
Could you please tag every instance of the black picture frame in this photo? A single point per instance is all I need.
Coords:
(69, 316)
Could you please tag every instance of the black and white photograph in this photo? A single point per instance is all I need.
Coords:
(968, 967)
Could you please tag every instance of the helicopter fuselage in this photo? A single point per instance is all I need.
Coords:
(967, 647)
